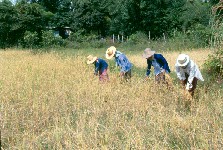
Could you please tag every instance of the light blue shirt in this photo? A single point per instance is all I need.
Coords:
(162, 65)
(157, 68)
(122, 61)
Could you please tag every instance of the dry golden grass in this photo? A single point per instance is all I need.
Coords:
(54, 102)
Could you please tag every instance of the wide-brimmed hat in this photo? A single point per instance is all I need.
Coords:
(91, 59)
(110, 52)
(148, 53)
(183, 60)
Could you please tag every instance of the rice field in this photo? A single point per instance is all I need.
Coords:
(50, 101)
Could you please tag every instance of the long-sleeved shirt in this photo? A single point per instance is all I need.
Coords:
(100, 65)
(122, 61)
(191, 70)
(159, 63)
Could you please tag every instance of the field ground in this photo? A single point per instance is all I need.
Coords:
(53, 101)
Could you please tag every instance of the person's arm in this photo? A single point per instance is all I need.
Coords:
(148, 68)
(96, 67)
(116, 62)
(191, 77)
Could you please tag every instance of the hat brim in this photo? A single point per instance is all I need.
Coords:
(148, 55)
(92, 61)
(184, 64)
(110, 56)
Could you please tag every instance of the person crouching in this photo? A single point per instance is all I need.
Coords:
(161, 67)
(122, 61)
(188, 73)
(101, 67)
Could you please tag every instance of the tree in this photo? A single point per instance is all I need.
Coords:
(33, 18)
(8, 25)
(48, 5)
(90, 15)
(200, 15)
(156, 17)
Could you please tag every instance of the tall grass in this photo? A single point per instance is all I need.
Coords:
(49, 101)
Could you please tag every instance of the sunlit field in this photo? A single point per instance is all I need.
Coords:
(53, 101)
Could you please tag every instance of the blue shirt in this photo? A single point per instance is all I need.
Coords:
(100, 65)
(158, 63)
(122, 61)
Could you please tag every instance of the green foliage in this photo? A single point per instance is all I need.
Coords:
(213, 2)
(92, 16)
(194, 12)
(50, 41)
(138, 38)
(33, 18)
(8, 24)
(79, 36)
(51, 5)
(90, 40)
(30, 39)
(217, 35)
(200, 35)
(91, 20)
(15, 20)
(214, 65)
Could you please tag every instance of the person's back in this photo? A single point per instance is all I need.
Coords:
(101, 67)
(161, 61)
(161, 67)
(101, 64)
(121, 61)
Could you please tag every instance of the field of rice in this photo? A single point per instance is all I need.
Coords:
(51, 101)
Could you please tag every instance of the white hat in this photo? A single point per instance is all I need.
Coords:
(110, 52)
(91, 59)
(183, 60)
(148, 53)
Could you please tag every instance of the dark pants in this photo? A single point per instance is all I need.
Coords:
(194, 83)
(160, 78)
(164, 79)
(127, 75)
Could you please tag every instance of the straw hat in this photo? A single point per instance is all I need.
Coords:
(110, 52)
(91, 59)
(148, 53)
(183, 60)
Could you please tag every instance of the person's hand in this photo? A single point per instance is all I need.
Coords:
(121, 74)
(189, 87)
(146, 78)
(187, 95)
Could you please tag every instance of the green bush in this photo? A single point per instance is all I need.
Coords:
(200, 35)
(138, 38)
(86, 41)
(51, 41)
(30, 39)
(214, 64)
(76, 36)
(217, 35)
